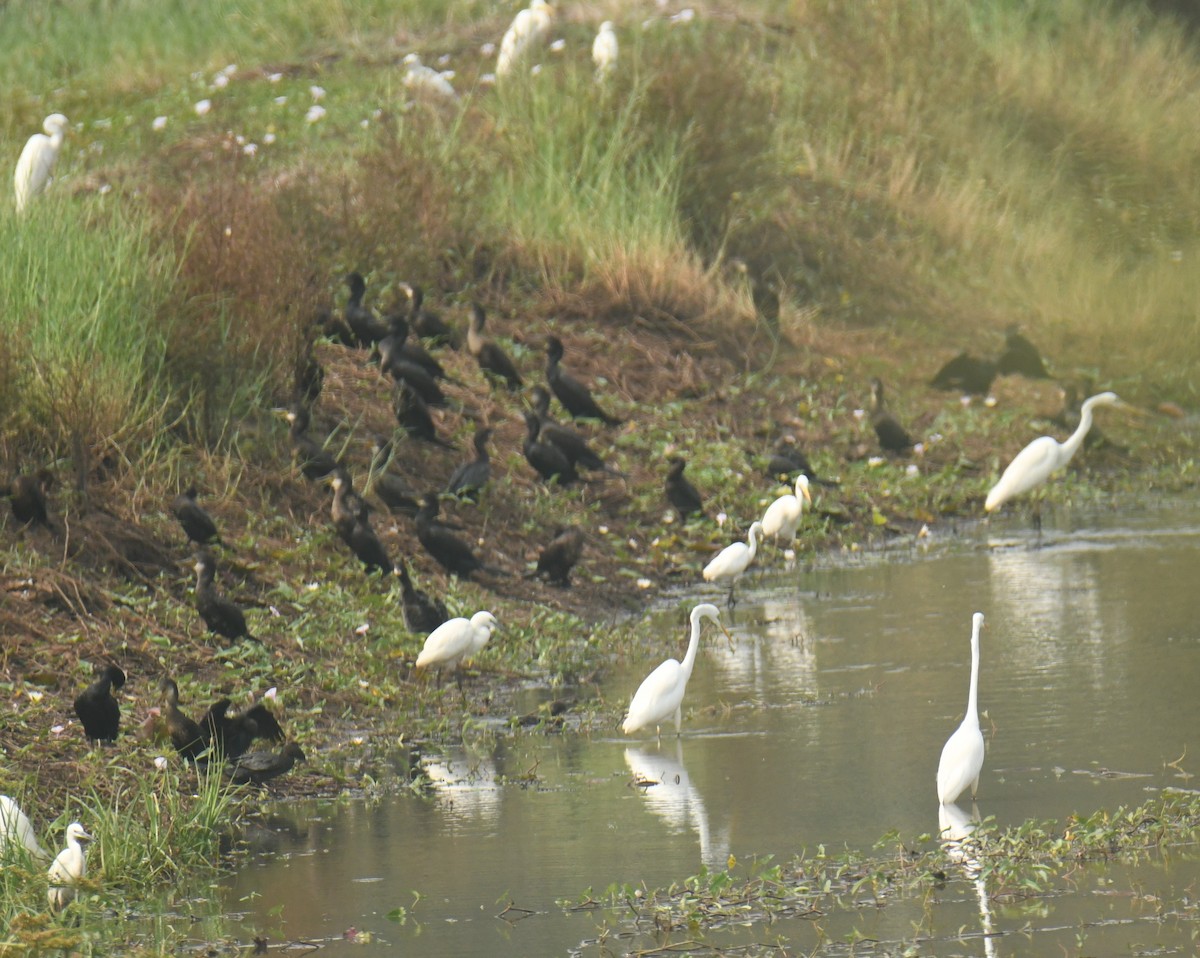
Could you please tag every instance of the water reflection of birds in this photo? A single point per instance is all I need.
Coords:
(464, 786)
(962, 755)
(774, 659)
(669, 793)
(955, 830)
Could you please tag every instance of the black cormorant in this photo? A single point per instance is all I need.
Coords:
(470, 477)
(682, 495)
(575, 397)
(396, 346)
(391, 488)
(451, 553)
(258, 768)
(574, 446)
(311, 458)
(547, 459)
(426, 323)
(185, 734)
(403, 369)
(966, 374)
(197, 524)
(309, 377)
(96, 707)
(492, 359)
(422, 612)
(559, 556)
(414, 417)
(28, 496)
(349, 513)
(892, 437)
(788, 459)
(362, 322)
(232, 735)
(219, 614)
(1020, 356)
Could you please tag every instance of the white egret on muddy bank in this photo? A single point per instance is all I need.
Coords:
(729, 564)
(457, 640)
(962, 755)
(783, 515)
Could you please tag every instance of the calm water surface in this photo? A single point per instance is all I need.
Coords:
(821, 725)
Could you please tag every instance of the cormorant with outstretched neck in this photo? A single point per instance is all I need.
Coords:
(414, 417)
(197, 524)
(547, 459)
(422, 612)
(28, 496)
(682, 495)
(1020, 356)
(575, 397)
(470, 477)
(891, 435)
(232, 735)
(367, 329)
(493, 360)
(98, 711)
(967, 374)
(451, 553)
(311, 458)
(426, 323)
(257, 768)
(391, 488)
(219, 614)
(559, 556)
(185, 734)
(573, 445)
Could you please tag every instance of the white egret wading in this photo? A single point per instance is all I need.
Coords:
(16, 832)
(456, 641)
(729, 564)
(962, 755)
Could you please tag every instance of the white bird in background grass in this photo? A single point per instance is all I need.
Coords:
(605, 50)
(729, 564)
(16, 832)
(661, 693)
(1044, 456)
(783, 515)
(37, 160)
(69, 867)
(529, 30)
(455, 641)
(962, 755)
(420, 78)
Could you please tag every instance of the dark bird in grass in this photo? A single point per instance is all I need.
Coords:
(573, 444)
(560, 555)
(27, 494)
(96, 707)
(452, 553)
(398, 347)
(1020, 356)
(347, 507)
(575, 397)
(402, 369)
(230, 736)
(367, 329)
(414, 417)
(311, 458)
(892, 437)
(258, 768)
(219, 614)
(967, 374)
(422, 612)
(309, 377)
(493, 360)
(426, 323)
(682, 495)
(547, 459)
(350, 519)
(470, 477)
(548, 714)
(185, 734)
(788, 460)
(392, 489)
(197, 524)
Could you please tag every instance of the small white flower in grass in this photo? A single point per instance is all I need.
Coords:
(280, 100)
(315, 113)
(789, 554)
(686, 15)
(268, 139)
(364, 684)
(230, 69)
(228, 230)
(558, 45)
(364, 123)
(318, 92)
(239, 139)
(160, 123)
(363, 629)
(160, 762)
(858, 414)
(487, 79)
(104, 189)
(274, 77)
(965, 400)
(919, 449)
(220, 81)
(603, 530)
(35, 696)
(357, 740)
(535, 69)
(272, 693)
(631, 542)
(198, 75)
(923, 532)
(875, 461)
(202, 107)
(912, 470)
(487, 49)
(722, 518)
(311, 586)
(57, 729)
(644, 583)
(443, 59)
(990, 402)
(251, 149)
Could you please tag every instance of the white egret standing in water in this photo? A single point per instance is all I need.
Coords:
(783, 515)
(729, 564)
(962, 755)
(661, 693)
(1043, 457)
(458, 639)
(68, 868)
(37, 159)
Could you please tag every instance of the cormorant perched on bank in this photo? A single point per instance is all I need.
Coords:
(451, 553)
(232, 735)
(402, 369)
(559, 556)
(311, 458)
(366, 328)
(574, 446)
(28, 496)
(414, 417)
(547, 459)
(680, 492)
(1020, 356)
(892, 437)
(470, 477)
(575, 397)
(426, 323)
(397, 347)
(98, 711)
(967, 374)
(197, 524)
(422, 612)
(185, 734)
(219, 614)
(347, 507)
(257, 768)
(492, 359)
(349, 513)
(788, 459)
(391, 488)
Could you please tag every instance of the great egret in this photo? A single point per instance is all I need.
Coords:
(37, 160)
(729, 564)
(1043, 457)
(605, 50)
(16, 831)
(418, 77)
(528, 30)
(98, 711)
(197, 524)
(454, 641)
(68, 868)
(962, 755)
(680, 492)
(892, 436)
(783, 515)
(661, 693)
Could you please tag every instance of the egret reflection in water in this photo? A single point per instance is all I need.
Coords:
(464, 786)
(955, 830)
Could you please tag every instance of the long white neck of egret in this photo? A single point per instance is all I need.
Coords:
(689, 659)
(973, 697)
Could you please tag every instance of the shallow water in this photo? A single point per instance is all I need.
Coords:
(821, 725)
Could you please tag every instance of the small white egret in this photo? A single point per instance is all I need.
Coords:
(729, 564)
(661, 693)
(1044, 456)
(17, 832)
(783, 515)
(420, 78)
(605, 50)
(68, 868)
(962, 755)
(528, 30)
(454, 641)
(37, 159)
